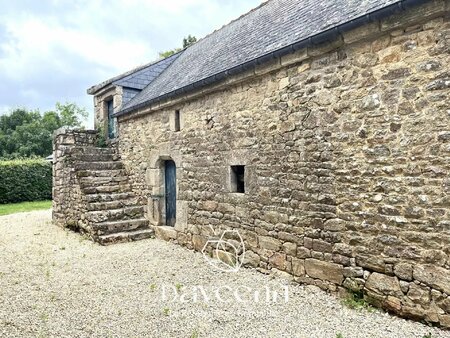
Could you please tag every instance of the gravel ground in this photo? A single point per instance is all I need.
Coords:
(54, 283)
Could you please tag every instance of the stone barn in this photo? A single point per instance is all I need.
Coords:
(320, 130)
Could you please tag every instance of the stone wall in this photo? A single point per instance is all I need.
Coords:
(346, 149)
(69, 206)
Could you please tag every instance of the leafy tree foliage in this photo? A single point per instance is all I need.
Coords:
(26, 133)
(168, 53)
(71, 115)
(187, 41)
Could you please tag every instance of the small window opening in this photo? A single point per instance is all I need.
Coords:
(177, 120)
(238, 178)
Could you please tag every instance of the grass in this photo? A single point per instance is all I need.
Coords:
(178, 286)
(7, 209)
(355, 300)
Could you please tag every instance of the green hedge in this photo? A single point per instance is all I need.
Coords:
(25, 180)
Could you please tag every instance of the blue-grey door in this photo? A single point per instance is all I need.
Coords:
(171, 192)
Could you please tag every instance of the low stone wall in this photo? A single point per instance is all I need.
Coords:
(346, 148)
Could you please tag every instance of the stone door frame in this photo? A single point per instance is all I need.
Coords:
(155, 177)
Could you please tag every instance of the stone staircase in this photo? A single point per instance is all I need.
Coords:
(114, 214)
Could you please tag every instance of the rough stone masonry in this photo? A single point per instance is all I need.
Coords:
(346, 149)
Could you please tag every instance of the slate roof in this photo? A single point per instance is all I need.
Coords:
(138, 78)
(270, 27)
(141, 78)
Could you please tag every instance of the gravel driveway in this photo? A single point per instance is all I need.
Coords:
(54, 283)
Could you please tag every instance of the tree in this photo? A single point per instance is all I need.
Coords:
(187, 41)
(25, 133)
(16, 118)
(51, 120)
(168, 53)
(71, 115)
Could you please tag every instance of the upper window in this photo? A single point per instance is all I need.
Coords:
(177, 120)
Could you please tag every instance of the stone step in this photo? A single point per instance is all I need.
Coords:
(92, 198)
(97, 157)
(127, 236)
(104, 189)
(126, 213)
(98, 165)
(113, 227)
(101, 173)
(86, 182)
(117, 204)
(97, 150)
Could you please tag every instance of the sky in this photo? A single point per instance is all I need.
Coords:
(53, 50)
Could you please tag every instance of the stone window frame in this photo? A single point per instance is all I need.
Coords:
(105, 101)
(239, 157)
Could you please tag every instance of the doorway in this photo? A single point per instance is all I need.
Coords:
(170, 180)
